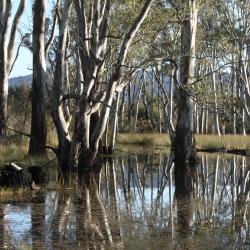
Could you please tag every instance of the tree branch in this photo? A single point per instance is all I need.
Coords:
(52, 35)
(27, 135)
(14, 28)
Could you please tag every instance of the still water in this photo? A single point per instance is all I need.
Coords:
(131, 203)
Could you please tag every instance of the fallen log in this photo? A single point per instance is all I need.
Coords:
(15, 177)
(243, 152)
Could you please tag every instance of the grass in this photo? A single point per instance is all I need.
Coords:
(155, 140)
(7, 192)
(152, 139)
(15, 149)
(12, 150)
(225, 141)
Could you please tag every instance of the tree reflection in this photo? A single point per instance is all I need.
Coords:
(1, 226)
(142, 201)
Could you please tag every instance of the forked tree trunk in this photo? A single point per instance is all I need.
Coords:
(38, 118)
(7, 42)
(184, 146)
(83, 142)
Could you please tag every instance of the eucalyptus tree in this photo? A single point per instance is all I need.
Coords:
(222, 49)
(79, 148)
(38, 121)
(184, 145)
(42, 41)
(7, 42)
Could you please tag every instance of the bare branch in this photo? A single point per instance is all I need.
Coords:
(53, 32)
(14, 29)
(27, 135)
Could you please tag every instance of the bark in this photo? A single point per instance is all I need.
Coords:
(171, 91)
(122, 108)
(148, 106)
(184, 146)
(234, 90)
(65, 155)
(216, 123)
(38, 118)
(202, 118)
(115, 123)
(137, 103)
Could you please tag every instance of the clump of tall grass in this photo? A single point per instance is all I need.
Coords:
(12, 152)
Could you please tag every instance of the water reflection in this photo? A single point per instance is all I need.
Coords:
(137, 201)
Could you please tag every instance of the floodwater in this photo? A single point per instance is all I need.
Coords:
(131, 203)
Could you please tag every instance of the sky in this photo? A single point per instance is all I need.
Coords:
(23, 65)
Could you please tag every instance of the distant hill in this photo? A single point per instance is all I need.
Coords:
(17, 81)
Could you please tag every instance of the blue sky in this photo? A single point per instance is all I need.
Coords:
(23, 65)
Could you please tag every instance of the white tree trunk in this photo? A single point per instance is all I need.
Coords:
(7, 42)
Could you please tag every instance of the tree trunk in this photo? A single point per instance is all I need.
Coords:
(122, 108)
(206, 119)
(136, 109)
(7, 42)
(216, 123)
(115, 123)
(184, 146)
(3, 98)
(38, 118)
(202, 118)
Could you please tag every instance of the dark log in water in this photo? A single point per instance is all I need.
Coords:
(243, 152)
(14, 176)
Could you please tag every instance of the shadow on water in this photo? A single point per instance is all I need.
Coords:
(137, 201)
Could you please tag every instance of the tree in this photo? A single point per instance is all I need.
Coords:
(7, 43)
(184, 145)
(38, 118)
(95, 100)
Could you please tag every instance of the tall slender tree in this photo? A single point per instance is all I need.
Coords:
(7, 43)
(184, 146)
(38, 118)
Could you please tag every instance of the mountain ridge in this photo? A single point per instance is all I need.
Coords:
(18, 80)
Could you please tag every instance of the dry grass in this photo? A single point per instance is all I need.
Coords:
(202, 141)
(12, 151)
(224, 141)
(16, 150)
(152, 139)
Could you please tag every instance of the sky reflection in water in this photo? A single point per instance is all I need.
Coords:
(131, 204)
